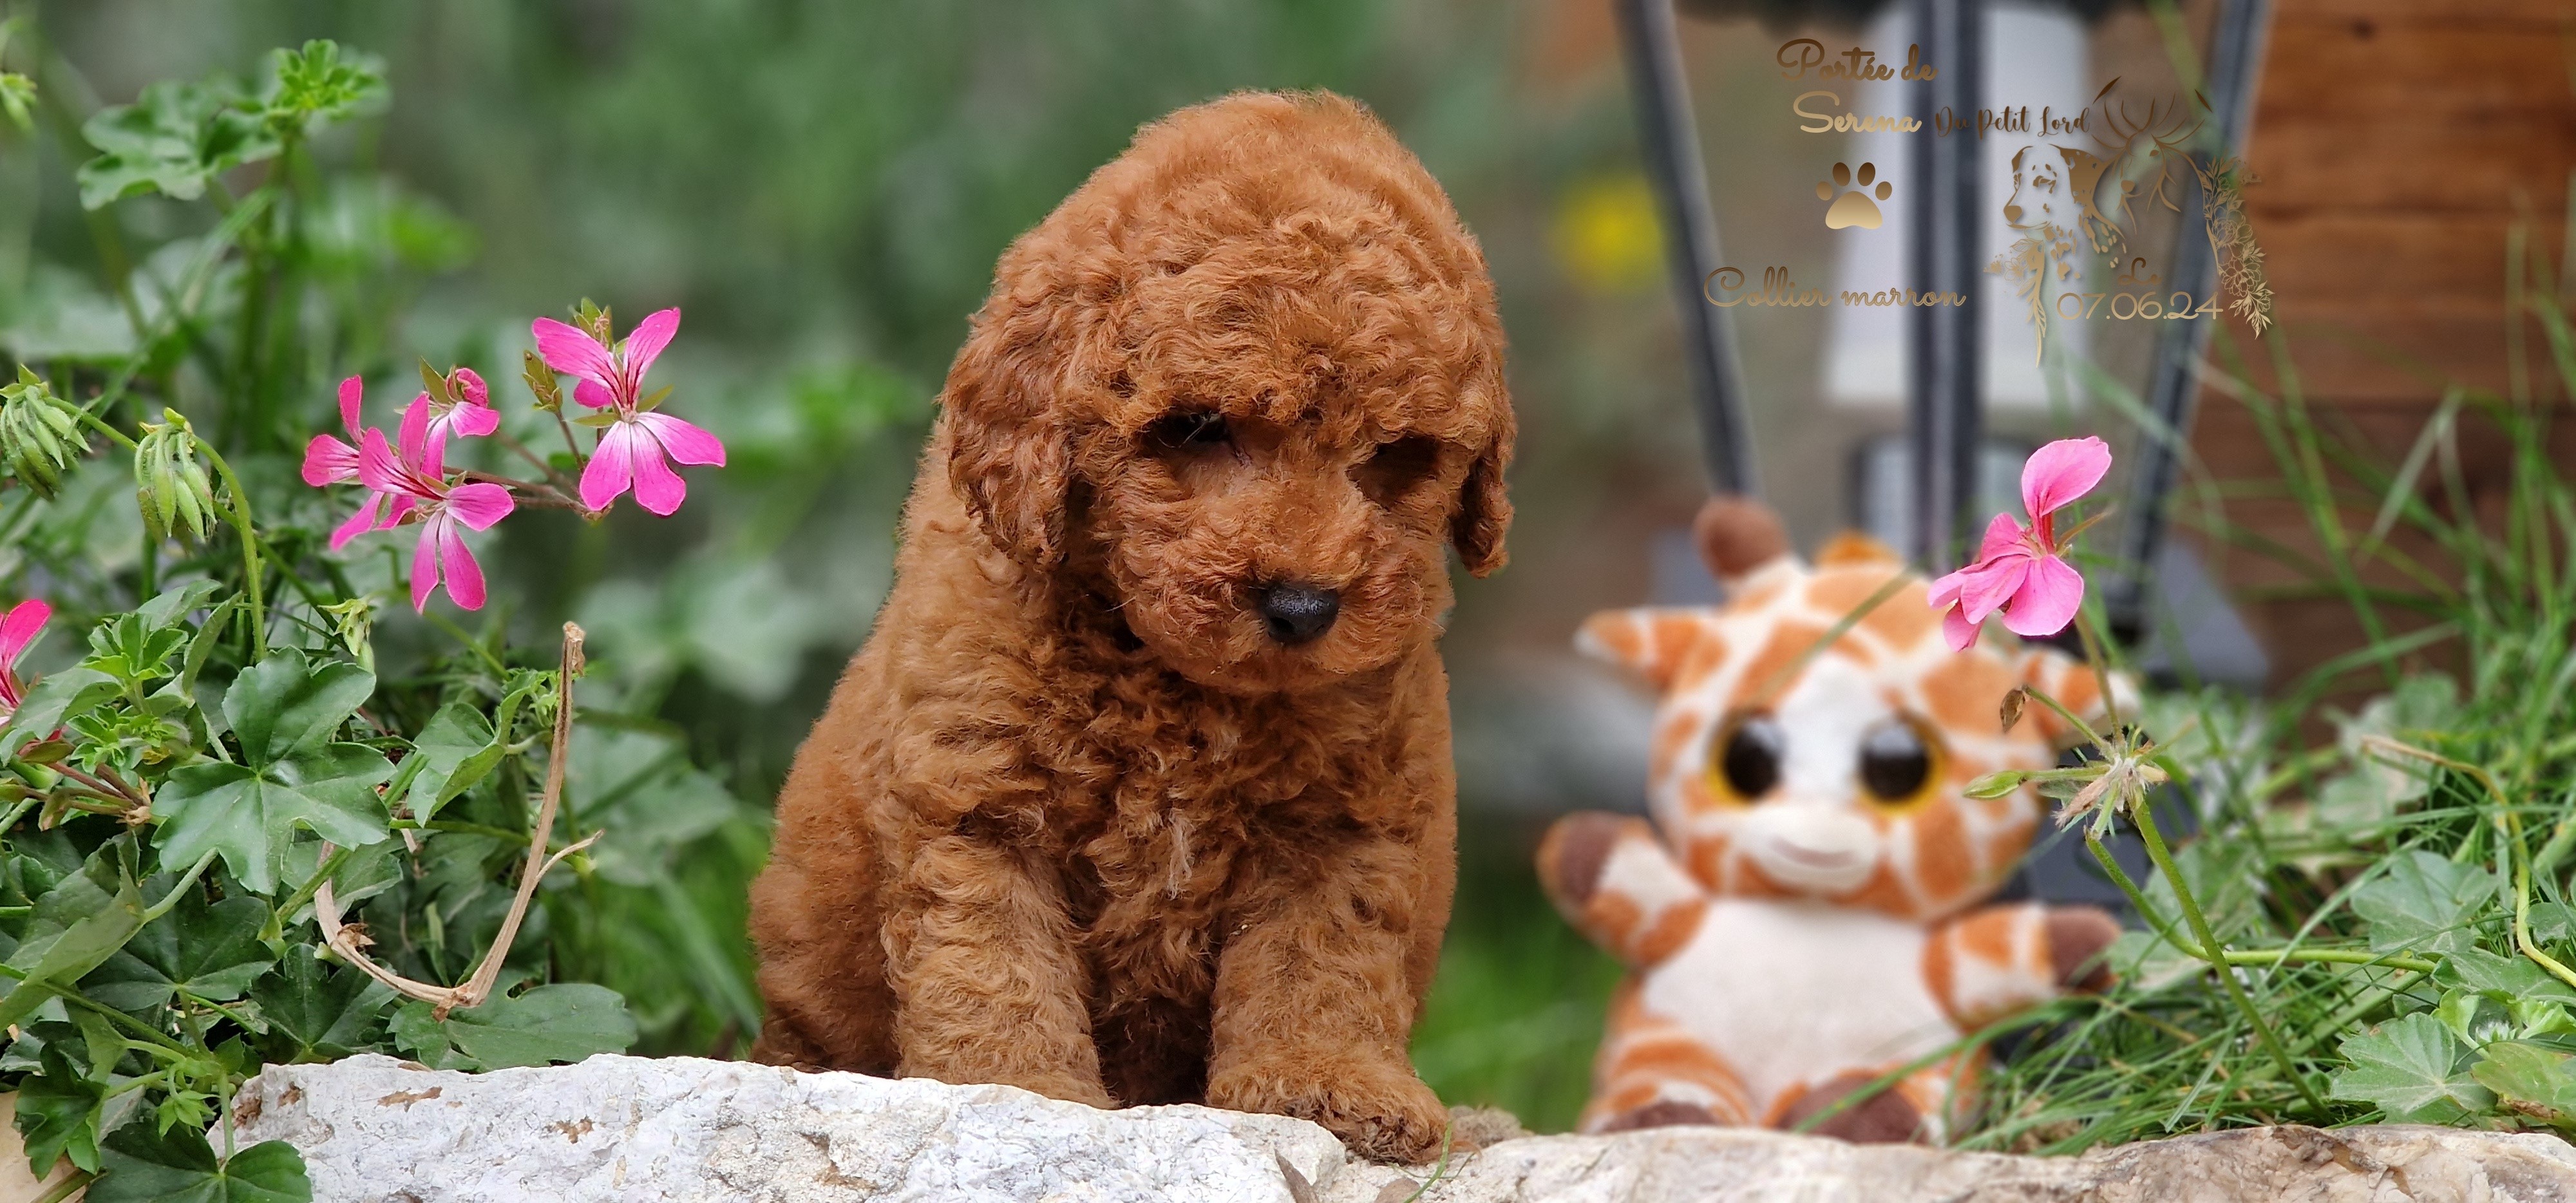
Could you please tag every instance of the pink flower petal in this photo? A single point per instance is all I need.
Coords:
(358, 524)
(2062, 471)
(1960, 632)
(424, 565)
(686, 443)
(475, 420)
(377, 467)
(1990, 584)
(2047, 600)
(644, 343)
(612, 467)
(657, 487)
(421, 453)
(567, 349)
(2003, 535)
(469, 383)
(587, 393)
(327, 460)
(352, 394)
(20, 627)
(456, 562)
(479, 504)
(399, 508)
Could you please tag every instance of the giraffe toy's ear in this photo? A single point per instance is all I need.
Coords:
(1738, 537)
(1853, 547)
(1654, 642)
(2075, 685)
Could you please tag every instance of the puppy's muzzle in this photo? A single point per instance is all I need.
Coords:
(1297, 613)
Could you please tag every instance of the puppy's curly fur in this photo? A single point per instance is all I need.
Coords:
(1080, 818)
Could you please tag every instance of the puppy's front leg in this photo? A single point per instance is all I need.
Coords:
(1312, 1007)
(986, 982)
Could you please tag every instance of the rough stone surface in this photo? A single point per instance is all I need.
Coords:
(624, 1128)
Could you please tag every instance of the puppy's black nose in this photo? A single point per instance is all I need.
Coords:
(1297, 613)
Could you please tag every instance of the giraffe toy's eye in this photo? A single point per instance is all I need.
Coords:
(1744, 758)
(1898, 762)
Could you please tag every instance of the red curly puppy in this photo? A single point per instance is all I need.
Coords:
(1141, 792)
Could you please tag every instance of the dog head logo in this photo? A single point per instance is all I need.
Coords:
(1792, 759)
(1245, 388)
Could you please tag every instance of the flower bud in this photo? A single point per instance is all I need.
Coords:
(170, 482)
(39, 436)
(541, 382)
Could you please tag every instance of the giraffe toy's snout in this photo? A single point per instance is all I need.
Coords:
(1812, 849)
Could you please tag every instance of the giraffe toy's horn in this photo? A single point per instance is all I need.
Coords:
(1738, 536)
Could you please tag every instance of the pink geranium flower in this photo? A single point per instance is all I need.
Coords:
(415, 479)
(17, 631)
(636, 449)
(2020, 571)
(327, 460)
(468, 412)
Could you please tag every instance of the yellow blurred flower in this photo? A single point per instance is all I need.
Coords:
(1606, 234)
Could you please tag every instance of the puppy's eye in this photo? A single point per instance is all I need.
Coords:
(1396, 467)
(1896, 763)
(1197, 430)
(1744, 757)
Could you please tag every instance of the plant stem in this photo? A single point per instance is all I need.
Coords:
(239, 512)
(2214, 953)
(2329, 956)
(180, 890)
(2522, 905)
(562, 483)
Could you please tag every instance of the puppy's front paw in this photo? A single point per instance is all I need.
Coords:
(1382, 1112)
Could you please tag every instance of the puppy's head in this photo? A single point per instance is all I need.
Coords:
(1247, 382)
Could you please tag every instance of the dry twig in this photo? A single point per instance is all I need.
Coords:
(349, 941)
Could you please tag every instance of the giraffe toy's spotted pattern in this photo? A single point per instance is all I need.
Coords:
(1799, 919)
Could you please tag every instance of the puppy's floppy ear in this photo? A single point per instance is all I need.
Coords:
(1484, 509)
(1484, 512)
(1009, 455)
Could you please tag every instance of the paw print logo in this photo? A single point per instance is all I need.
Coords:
(1853, 208)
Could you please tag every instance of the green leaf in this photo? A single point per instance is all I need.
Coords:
(284, 704)
(2532, 1080)
(322, 81)
(145, 1166)
(2507, 979)
(58, 1112)
(133, 650)
(641, 787)
(211, 950)
(177, 602)
(2414, 1070)
(76, 925)
(52, 701)
(457, 750)
(541, 1026)
(172, 140)
(2553, 921)
(317, 1011)
(2424, 902)
(250, 815)
(364, 872)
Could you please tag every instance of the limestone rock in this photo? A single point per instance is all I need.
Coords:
(624, 1128)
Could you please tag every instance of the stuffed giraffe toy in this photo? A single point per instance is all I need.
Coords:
(1806, 923)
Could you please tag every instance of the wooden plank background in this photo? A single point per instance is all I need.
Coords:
(2399, 142)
